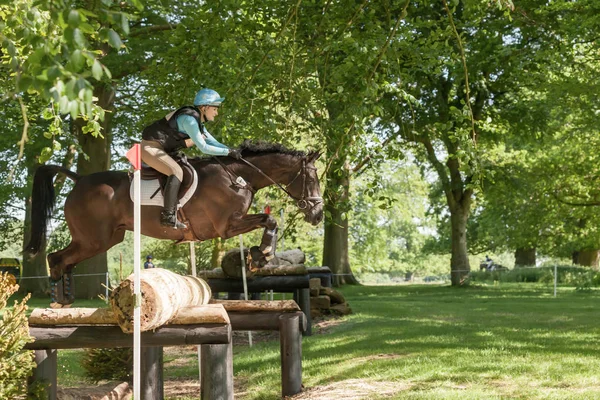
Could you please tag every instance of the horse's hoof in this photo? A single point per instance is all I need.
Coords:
(56, 305)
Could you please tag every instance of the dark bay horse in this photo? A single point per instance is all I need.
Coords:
(99, 209)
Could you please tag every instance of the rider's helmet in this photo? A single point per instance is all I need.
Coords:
(208, 97)
(149, 257)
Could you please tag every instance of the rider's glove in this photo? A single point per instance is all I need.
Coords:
(235, 154)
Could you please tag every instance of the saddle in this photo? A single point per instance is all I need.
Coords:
(148, 174)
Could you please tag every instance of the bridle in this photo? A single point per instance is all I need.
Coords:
(304, 201)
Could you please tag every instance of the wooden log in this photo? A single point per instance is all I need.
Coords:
(303, 300)
(320, 302)
(323, 273)
(46, 371)
(205, 314)
(163, 294)
(278, 284)
(72, 316)
(216, 368)
(81, 337)
(262, 321)
(318, 270)
(291, 257)
(258, 305)
(315, 286)
(231, 263)
(281, 270)
(151, 373)
(290, 341)
(335, 296)
(213, 273)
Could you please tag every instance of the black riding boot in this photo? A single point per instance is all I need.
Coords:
(168, 216)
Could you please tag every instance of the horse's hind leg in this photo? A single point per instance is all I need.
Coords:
(61, 278)
(62, 263)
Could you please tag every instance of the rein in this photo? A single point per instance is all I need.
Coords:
(302, 202)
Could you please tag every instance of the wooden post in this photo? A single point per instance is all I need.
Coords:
(304, 303)
(217, 372)
(290, 341)
(45, 371)
(151, 373)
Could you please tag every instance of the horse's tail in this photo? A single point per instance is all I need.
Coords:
(42, 204)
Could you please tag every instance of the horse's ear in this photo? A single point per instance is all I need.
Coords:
(312, 156)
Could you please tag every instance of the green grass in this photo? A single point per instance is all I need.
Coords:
(435, 342)
(514, 341)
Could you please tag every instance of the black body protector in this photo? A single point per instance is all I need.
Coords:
(165, 131)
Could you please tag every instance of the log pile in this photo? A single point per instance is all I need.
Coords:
(326, 301)
(289, 262)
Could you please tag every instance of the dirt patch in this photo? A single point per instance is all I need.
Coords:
(352, 389)
(107, 391)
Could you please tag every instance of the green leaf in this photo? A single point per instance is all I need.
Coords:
(74, 109)
(74, 18)
(114, 39)
(45, 154)
(106, 71)
(97, 70)
(125, 24)
(79, 38)
(77, 60)
(63, 105)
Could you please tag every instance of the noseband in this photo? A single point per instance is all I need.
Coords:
(304, 201)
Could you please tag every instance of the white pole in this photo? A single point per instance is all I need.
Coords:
(244, 280)
(282, 225)
(106, 287)
(193, 264)
(555, 279)
(136, 285)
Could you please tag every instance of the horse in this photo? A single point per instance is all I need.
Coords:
(98, 210)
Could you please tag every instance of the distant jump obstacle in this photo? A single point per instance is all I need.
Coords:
(278, 279)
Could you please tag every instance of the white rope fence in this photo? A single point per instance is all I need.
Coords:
(554, 269)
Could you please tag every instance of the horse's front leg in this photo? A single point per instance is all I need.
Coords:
(264, 253)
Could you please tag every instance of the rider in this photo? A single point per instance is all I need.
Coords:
(181, 129)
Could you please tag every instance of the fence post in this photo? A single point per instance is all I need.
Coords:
(555, 278)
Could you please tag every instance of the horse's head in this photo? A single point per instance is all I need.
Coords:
(305, 189)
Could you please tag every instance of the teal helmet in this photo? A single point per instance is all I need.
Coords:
(208, 97)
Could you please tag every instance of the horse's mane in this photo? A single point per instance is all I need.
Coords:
(249, 147)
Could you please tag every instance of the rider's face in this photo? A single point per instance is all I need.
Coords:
(210, 112)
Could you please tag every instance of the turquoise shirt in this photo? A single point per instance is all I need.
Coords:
(203, 140)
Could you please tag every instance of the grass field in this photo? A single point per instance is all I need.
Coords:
(513, 341)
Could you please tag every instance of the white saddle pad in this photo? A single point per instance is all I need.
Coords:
(151, 187)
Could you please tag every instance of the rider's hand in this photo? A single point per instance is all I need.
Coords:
(235, 154)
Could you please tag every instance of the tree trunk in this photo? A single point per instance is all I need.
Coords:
(217, 253)
(525, 257)
(97, 150)
(587, 258)
(459, 263)
(335, 242)
(34, 266)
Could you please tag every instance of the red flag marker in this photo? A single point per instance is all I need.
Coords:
(267, 209)
(134, 156)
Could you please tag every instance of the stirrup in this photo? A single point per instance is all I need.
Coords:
(169, 219)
